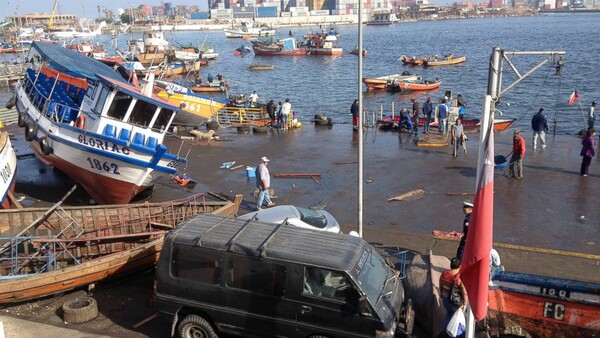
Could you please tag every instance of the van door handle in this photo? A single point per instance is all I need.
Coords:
(306, 309)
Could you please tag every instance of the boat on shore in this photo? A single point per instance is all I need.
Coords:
(383, 81)
(85, 119)
(47, 251)
(474, 125)
(544, 306)
(445, 61)
(8, 169)
(418, 85)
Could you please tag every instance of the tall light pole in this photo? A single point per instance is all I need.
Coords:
(360, 122)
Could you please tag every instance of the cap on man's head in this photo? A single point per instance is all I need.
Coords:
(264, 159)
(594, 103)
(467, 204)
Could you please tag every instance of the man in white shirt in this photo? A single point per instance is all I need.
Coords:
(253, 98)
(263, 183)
(286, 109)
(592, 115)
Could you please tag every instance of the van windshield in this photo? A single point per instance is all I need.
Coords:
(371, 274)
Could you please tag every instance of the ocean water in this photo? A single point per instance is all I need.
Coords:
(322, 84)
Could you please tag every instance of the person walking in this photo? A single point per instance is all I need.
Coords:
(415, 112)
(450, 284)
(442, 117)
(263, 183)
(592, 115)
(271, 112)
(286, 109)
(462, 104)
(354, 109)
(517, 156)
(458, 137)
(427, 111)
(539, 124)
(587, 151)
(467, 209)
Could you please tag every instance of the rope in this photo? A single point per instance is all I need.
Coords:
(538, 94)
(557, 101)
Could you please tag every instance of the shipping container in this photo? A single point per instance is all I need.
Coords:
(266, 12)
(199, 16)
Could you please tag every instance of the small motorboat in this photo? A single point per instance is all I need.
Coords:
(383, 81)
(445, 61)
(420, 85)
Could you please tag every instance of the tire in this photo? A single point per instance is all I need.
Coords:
(409, 318)
(45, 146)
(11, 103)
(212, 125)
(193, 326)
(80, 310)
(243, 129)
(260, 129)
(22, 120)
(30, 131)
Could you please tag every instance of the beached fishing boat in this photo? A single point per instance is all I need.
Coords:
(544, 306)
(8, 168)
(383, 81)
(197, 107)
(445, 61)
(47, 251)
(86, 120)
(418, 85)
(473, 125)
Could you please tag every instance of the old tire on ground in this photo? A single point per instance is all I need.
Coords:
(193, 326)
(10, 104)
(45, 145)
(212, 125)
(30, 130)
(243, 129)
(80, 310)
(260, 129)
(22, 120)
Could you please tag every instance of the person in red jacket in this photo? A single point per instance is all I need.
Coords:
(519, 147)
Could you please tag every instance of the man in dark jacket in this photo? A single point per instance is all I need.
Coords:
(539, 124)
(355, 114)
(427, 111)
(271, 111)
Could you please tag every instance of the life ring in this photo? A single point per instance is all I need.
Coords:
(22, 120)
(80, 121)
(30, 131)
(45, 145)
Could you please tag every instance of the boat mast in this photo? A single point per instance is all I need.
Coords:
(360, 122)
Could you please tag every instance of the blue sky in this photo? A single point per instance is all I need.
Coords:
(81, 8)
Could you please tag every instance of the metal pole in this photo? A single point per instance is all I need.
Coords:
(360, 127)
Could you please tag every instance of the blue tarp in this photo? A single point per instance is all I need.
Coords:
(68, 61)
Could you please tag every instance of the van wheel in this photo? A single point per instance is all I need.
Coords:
(409, 318)
(193, 326)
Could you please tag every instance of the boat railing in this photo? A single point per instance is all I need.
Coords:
(49, 98)
(240, 115)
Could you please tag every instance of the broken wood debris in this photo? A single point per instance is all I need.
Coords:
(236, 167)
(296, 175)
(410, 194)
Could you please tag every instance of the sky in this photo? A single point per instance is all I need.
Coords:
(82, 8)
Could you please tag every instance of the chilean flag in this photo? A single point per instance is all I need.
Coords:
(574, 97)
(475, 265)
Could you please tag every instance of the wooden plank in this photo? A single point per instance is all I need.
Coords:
(296, 175)
(410, 194)
(14, 200)
(97, 239)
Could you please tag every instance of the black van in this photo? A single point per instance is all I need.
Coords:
(227, 276)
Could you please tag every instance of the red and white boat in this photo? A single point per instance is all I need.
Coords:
(8, 168)
(475, 125)
(383, 81)
(323, 45)
(288, 46)
(86, 120)
(407, 85)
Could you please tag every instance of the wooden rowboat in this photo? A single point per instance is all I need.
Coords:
(422, 85)
(261, 67)
(450, 60)
(47, 251)
(412, 61)
(475, 125)
(383, 81)
(544, 306)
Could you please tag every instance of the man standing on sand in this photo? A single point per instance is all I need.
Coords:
(427, 111)
(271, 112)
(516, 159)
(416, 112)
(263, 183)
(539, 124)
(354, 109)
(442, 117)
(462, 104)
(286, 109)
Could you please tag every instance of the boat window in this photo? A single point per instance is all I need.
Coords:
(101, 99)
(162, 121)
(119, 105)
(142, 113)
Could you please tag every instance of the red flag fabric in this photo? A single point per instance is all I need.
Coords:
(574, 97)
(475, 265)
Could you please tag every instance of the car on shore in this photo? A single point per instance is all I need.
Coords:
(319, 220)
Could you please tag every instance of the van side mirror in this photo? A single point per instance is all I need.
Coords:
(363, 307)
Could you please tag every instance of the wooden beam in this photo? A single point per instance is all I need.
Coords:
(97, 239)
(296, 175)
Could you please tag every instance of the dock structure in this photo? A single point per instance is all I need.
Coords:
(433, 140)
(8, 116)
(10, 73)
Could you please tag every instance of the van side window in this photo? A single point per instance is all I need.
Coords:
(326, 283)
(188, 264)
(257, 276)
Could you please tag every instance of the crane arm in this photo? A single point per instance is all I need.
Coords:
(51, 23)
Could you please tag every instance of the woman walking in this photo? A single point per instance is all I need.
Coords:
(587, 151)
